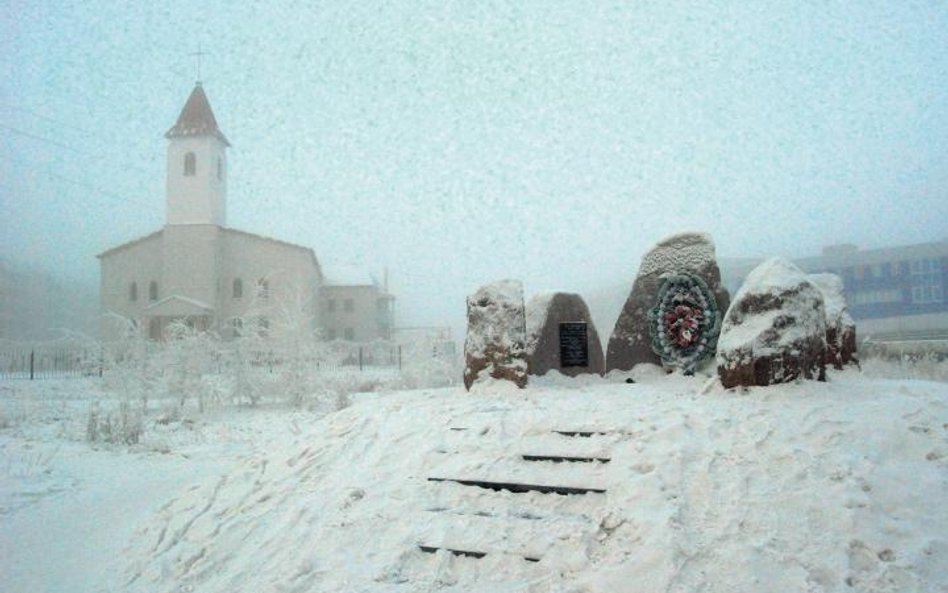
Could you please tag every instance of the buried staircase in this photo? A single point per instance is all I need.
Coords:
(540, 504)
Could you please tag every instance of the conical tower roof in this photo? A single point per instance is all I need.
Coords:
(196, 118)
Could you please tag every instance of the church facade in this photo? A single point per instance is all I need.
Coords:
(198, 271)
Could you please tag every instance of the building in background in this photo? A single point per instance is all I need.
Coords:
(198, 271)
(355, 306)
(895, 293)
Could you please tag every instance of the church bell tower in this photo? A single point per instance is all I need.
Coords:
(197, 166)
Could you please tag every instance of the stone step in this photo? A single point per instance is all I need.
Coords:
(500, 534)
(518, 488)
(465, 553)
(564, 458)
(585, 434)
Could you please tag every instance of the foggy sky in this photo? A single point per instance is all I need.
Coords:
(457, 143)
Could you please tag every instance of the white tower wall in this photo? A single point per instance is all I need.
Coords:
(201, 197)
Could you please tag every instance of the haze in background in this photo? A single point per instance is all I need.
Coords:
(459, 143)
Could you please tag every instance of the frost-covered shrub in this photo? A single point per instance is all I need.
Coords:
(122, 426)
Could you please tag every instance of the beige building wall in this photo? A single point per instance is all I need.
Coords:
(356, 313)
(139, 262)
(190, 262)
(278, 282)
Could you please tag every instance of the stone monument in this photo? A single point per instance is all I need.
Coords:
(673, 312)
(562, 336)
(496, 334)
(775, 330)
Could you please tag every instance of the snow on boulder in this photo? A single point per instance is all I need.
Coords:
(840, 327)
(496, 334)
(562, 336)
(775, 330)
(679, 287)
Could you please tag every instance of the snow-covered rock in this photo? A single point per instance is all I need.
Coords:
(775, 330)
(840, 327)
(496, 334)
(545, 314)
(691, 253)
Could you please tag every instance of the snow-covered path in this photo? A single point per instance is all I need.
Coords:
(73, 539)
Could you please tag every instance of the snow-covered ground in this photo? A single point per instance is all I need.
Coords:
(837, 486)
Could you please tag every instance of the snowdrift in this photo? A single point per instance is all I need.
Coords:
(666, 485)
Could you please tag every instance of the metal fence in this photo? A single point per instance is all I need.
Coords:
(49, 363)
(44, 362)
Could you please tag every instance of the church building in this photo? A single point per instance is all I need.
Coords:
(197, 270)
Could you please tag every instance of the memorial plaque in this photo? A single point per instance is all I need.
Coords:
(574, 345)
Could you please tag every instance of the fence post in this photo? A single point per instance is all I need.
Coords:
(32, 356)
(399, 357)
(101, 359)
(360, 358)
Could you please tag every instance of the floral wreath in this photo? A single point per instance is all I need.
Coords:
(684, 324)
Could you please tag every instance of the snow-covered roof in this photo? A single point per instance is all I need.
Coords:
(179, 305)
(346, 275)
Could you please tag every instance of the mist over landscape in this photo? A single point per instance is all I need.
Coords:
(452, 145)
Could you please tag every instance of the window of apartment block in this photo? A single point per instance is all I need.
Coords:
(133, 291)
(331, 305)
(238, 288)
(348, 305)
(927, 283)
(331, 334)
(349, 334)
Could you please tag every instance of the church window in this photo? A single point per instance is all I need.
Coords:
(220, 168)
(133, 291)
(348, 305)
(238, 288)
(190, 164)
(263, 326)
(152, 291)
(263, 288)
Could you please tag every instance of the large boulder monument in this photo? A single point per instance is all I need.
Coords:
(562, 336)
(673, 314)
(496, 334)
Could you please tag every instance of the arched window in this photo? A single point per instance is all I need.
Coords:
(190, 164)
(152, 291)
(238, 288)
(263, 288)
(133, 291)
(220, 168)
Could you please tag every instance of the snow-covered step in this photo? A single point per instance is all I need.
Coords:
(479, 535)
(565, 458)
(538, 468)
(518, 487)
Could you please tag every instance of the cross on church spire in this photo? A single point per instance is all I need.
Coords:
(198, 56)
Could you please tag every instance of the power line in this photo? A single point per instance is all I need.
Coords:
(77, 182)
(39, 138)
(59, 123)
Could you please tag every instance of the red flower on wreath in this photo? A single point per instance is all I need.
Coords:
(681, 325)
